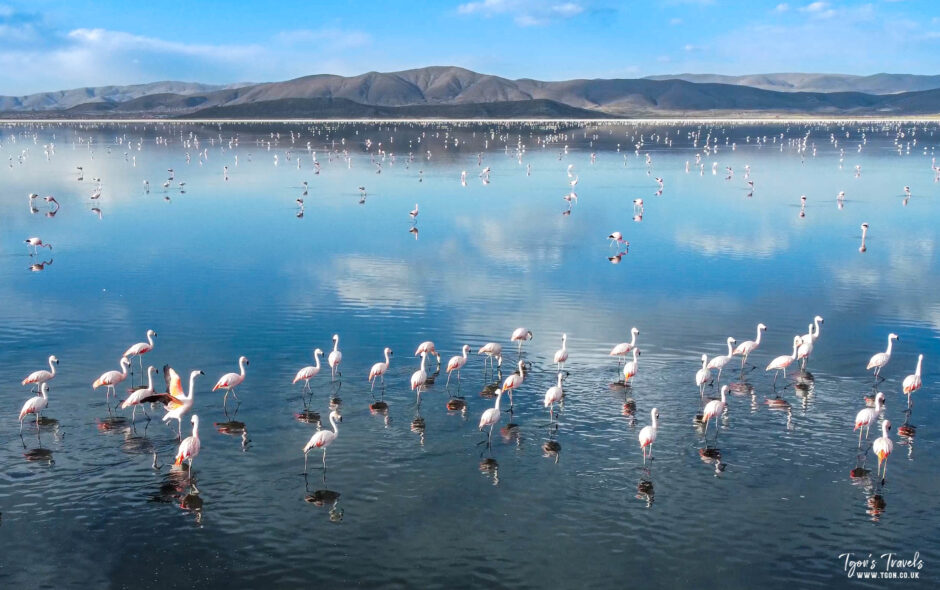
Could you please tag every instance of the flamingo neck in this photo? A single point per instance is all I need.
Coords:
(816, 335)
(336, 344)
(465, 349)
(757, 340)
(633, 340)
(333, 424)
(43, 391)
(655, 421)
(920, 359)
(241, 366)
(52, 367)
(192, 386)
(196, 427)
(730, 350)
(316, 358)
(150, 339)
(890, 344)
(559, 379)
(124, 368)
(499, 395)
(884, 429)
(878, 404)
(564, 342)
(796, 346)
(387, 360)
(149, 380)
(424, 357)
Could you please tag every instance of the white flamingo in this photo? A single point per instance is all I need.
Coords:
(630, 369)
(230, 381)
(912, 382)
(491, 416)
(749, 346)
(715, 408)
(189, 448)
(310, 371)
(866, 416)
(493, 351)
(379, 369)
(647, 435)
(554, 395)
(624, 348)
(882, 448)
(419, 377)
(520, 335)
(719, 362)
(456, 363)
(703, 376)
(782, 362)
(322, 439)
(335, 358)
(137, 396)
(35, 405)
(561, 355)
(878, 361)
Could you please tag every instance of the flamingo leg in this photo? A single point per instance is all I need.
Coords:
(21, 426)
(718, 380)
(859, 438)
(324, 460)
(305, 462)
(447, 383)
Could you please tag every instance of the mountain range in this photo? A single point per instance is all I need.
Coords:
(452, 92)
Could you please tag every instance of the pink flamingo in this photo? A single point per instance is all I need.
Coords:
(112, 378)
(630, 369)
(137, 396)
(647, 435)
(323, 438)
(456, 363)
(749, 346)
(493, 351)
(715, 408)
(703, 376)
(141, 348)
(379, 369)
(491, 416)
(561, 355)
(623, 348)
(520, 335)
(866, 416)
(42, 376)
(428, 347)
(419, 377)
(719, 362)
(883, 447)
(514, 381)
(912, 382)
(189, 448)
(878, 361)
(554, 395)
(335, 358)
(35, 405)
(36, 243)
(782, 362)
(230, 381)
(309, 372)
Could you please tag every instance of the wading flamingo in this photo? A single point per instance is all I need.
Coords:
(881, 359)
(554, 395)
(624, 348)
(420, 376)
(35, 405)
(428, 347)
(630, 369)
(174, 401)
(715, 408)
(866, 416)
(647, 435)
(493, 351)
(782, 362)
(703, 376)
(141, 348)
(883, 447)
(335, 358)
(138, 395)
(230, 381)
(322, 439)
(491, 417)
(561, 355)
(719, 362)
(112, 378)
(749, 346)
(189, 448)
(456, 363)
(912, 382)
(379, 369)
(309, 372)
(42, 376)
(520, 335)
(514, 381)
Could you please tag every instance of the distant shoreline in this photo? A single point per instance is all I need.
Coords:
(431, 120)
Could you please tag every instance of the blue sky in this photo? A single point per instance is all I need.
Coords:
(50, 45)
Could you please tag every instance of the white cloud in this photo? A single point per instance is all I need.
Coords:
(525, 13)
(782, 7)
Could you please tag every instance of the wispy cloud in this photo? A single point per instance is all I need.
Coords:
(525, 13)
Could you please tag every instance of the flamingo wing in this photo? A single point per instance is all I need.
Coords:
(174, 385)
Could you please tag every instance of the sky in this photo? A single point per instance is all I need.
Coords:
(52, 45)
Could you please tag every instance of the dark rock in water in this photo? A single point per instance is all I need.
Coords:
(308, 416)
(38, 455)
(233, 428)
(551, 446)
(321, 497)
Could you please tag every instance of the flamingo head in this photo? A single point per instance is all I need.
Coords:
(894, 337)
(335, 338)
(528, 335)
(864, 226)
(336, 416)
(242, 359)
(152, 369)
(634, 331)
(388, 351)
(466, 348)
(151, 333)
(125, 361)
(317, 352)
(54, 359)
(731, 340)
(818, 319)
(762, 327)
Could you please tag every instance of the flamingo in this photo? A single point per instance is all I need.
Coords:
(42, 376)
(864, 227)
(36, 243)
(491, 416)
(520, 335)
(414, 212)
(174, 401)
(912, 382)
(112, 378)
(806, 348)
(514, 381)
(141, 348)
(866, 416)
(428, 347)
(309, 372)
(883, 447)
(456, 363)
(323, 438)
(623, 348)
(703, 376)
(881, 359)
(137, 396)
(782, 362)
(629, 369)
(35, 405)
(749, 346)
(189, 448)
(813, 334)
(554, 395)
(561, 355)
(715, 408)
(378, 369)
(493, 351)
(230, 381)
(719, 362)
(419, 377)
(617, 238)
(335, 358)
(647, 435)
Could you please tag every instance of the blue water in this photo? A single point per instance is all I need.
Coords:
(226, 267)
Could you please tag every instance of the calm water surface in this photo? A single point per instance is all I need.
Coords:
(226, 267)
